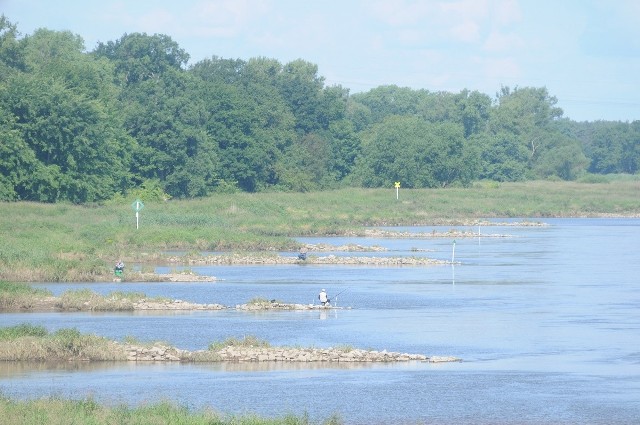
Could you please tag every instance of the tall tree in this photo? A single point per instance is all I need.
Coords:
(139, 57)
(418, 153)
(301, 87)
(525, 116)
(65, 113)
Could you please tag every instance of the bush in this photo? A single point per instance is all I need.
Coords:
(248, 341)
(22, 330)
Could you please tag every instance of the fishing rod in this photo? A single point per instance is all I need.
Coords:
(335, 297)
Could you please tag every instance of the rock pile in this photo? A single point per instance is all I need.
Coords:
(312, 259)
(174, 305)
(276, 354)
(154, 354)
(242, 354)
(283, 306)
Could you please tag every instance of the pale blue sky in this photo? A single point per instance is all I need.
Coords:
(586, 52)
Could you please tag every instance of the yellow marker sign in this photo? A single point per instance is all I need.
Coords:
(397, 185)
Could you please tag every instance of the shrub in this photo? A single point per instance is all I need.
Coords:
(248, 341)
(22, 330)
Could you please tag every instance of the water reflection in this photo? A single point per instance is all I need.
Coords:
(22, 369)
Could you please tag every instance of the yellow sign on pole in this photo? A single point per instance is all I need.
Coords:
(397, 185)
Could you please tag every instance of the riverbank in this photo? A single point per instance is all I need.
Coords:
(58, 411)
(80, 243)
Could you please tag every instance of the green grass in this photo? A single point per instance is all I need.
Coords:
(18, 295)
(62, 242)
(85, 299)
(57, 411)
(20, 331)
(25, 342)
(15, 296)
(248, 341)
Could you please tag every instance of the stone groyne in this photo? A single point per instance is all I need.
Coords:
(311, 259)
(174, 305)
(56, 304)
(276, 354)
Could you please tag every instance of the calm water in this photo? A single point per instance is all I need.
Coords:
(547, 322)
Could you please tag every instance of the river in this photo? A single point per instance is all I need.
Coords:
(545, 318)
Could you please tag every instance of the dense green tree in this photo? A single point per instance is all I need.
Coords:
(80, 127)
(565, 160)
(474, 110)
(417, 153)
(168, 117)
(523, 119)
(11, 57)
(384, 101)
(138, 57)
(502, 157)
(166, 114)
(612, 147)
(250, 120)
(345, 147)
(301, 88)
(65, 114)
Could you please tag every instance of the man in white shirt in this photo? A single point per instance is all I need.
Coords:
(324, 300)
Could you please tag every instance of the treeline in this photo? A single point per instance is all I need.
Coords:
(84, 126)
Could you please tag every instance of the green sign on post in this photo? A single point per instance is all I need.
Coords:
(137, 206)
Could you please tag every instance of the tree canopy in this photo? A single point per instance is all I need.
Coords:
(86, 126)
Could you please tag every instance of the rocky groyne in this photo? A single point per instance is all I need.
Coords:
(175, 305)
(311, 259)
(276, 305)
(276, 354)
(111, 304)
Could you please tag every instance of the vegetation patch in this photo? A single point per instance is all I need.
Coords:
(85, 299)
(28, 343)
(61, 242)
(88, 411)
(248, 341)
(16, 296)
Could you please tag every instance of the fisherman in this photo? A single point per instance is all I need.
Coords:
(303, 254)
(324, 300)
(119, 268)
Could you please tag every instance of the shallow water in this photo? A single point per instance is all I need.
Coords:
(546, 320)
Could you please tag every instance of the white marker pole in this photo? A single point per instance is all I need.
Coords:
(453, 252)
(137, 206)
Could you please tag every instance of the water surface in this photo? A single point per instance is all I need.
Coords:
(545, 318)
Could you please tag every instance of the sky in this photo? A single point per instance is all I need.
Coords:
(585, 52)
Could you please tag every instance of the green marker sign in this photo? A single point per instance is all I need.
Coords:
(137, 206)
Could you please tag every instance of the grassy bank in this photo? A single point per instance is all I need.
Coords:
(43, 242)
(20, 296)
(30, 343)
(16, 296)
(55, 411)
(27, 342)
